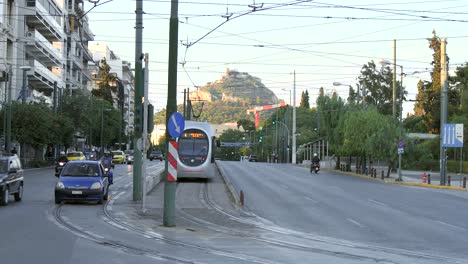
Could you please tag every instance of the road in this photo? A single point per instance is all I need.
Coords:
(290, 216)
(354, 209)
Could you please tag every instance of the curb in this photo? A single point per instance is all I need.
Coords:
(429, 186)
(228, 185)
(392, 181)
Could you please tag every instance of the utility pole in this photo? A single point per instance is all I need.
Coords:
(293, 159)
(137, 192)
(170, 186)
(394, 81)
(8, 119)
(145, 132)
(443, 108)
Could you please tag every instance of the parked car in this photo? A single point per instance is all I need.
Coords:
(129, 156)
(11, 179)
(253, 158)
(83, 181)
(156, 154)
(118, 156)
(75, 155)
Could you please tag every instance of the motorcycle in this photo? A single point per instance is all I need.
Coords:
(315, 167)
(59, 166)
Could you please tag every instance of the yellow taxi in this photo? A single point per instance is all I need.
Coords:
(118, 156)
(75, 155)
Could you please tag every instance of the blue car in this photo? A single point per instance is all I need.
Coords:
(83, 180)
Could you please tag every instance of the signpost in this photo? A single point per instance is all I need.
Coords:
(453, 136)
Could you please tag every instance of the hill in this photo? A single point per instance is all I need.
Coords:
(227, 99)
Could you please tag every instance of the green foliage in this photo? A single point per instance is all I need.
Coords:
(231, 153)
(31, 123)
(247, 125)
(414, 124)
(105, 89)
(305, 100)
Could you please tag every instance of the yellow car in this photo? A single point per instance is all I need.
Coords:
(75, 155)
(118, 156)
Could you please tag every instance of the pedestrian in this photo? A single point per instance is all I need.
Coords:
(13, 151)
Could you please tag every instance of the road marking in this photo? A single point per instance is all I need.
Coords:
(378, 203)
(450, 225)
(355, 222)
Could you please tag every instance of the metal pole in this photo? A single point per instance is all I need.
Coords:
(138, 96)
(443, 108)
(23, 88)
(170, 187)
(8, 122)
(145, 133)
(294, 123)
(400, 128)
(102, 129)
(394, 81)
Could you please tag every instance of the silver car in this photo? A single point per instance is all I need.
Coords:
(129, 156)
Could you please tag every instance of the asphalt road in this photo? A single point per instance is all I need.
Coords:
(290, 216)
(356, 210)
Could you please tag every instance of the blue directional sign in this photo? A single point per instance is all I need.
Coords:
(176, 125)
(452, 136)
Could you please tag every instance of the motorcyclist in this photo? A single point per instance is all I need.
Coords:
(106, 161)
(315, 161)
(61, 161)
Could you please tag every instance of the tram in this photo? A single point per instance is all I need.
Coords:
(196, 151)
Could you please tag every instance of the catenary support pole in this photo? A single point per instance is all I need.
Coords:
(170, 186)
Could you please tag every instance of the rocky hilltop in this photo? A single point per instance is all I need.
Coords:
(236, 86)
(227, 99)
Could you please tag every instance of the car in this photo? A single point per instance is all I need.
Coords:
(83, 181)
(75, 155)
(118, 156)
(129, 156)
(156, 154)
(253, 158)
(11, 179)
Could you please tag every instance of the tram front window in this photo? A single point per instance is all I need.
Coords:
(193, 147)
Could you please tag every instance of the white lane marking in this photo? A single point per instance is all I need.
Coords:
(450, 225)
(128, 185)
(378, 203)
(355, 222)
(118, 195)
(310, 199)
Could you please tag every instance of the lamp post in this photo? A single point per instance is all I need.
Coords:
(25, 83)
(400, 121)
(287, 129)
(289, 90)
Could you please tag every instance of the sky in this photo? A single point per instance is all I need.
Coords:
(323, 41)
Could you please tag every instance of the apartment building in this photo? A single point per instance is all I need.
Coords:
(43, 45)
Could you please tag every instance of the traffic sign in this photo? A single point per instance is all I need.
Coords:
(172, 158)
(235, 144)
(453, 136)
(176, 125)
(401, 150)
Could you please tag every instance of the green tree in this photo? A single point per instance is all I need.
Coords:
(230, 153)
(106, 79)
(246, 124)
(305, 100)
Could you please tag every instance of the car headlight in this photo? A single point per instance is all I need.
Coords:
(60, 185)
(96, 185)
(61, 163)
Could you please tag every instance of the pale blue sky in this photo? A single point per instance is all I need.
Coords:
(321, 40)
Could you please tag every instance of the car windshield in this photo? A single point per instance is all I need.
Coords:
(81, 170)
(3, 166)
(73, 154)
(129, 152)
(117, 153)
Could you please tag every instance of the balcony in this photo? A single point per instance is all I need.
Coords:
(39, 18)
(38, 47)
(77, 61)
(42, 79)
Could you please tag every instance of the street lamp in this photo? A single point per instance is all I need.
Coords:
(102, 128)
(351, 87)
(23, 90)
(400, 130)
(289, 94)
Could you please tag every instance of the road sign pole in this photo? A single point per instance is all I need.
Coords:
(443, 109)
(137, 163)
(169, 187)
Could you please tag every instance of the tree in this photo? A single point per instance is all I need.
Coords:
(230, 153)
(247, 125)
(305, 100)
(106, 79)
(428, 97)
(376, 87)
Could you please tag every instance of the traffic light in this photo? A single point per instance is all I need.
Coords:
(273, 122)
(150, 118)
(260, 138)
